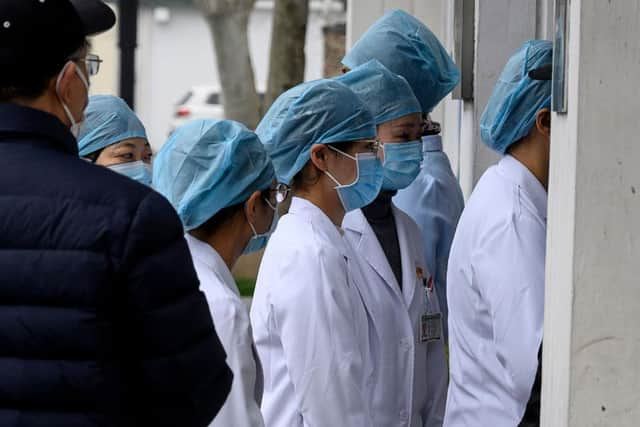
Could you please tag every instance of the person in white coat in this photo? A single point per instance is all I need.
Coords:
(496, 267)
(310, 324)
(405, 45)
(221, 182)
(408, 349)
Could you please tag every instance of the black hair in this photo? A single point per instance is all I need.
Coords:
(94, 156)
(219, 219)
(302, 179)
(35, 81)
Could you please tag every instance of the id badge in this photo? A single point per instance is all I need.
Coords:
(430, 327)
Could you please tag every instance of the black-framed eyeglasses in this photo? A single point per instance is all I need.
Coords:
(275, 196)
(373, 145)
(92, 63)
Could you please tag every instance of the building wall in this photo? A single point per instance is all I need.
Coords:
(105, 45)
(592, 310)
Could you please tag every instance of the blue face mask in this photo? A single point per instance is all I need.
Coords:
(259, 241)
(139, 171)
(367, 185)
(401, 164)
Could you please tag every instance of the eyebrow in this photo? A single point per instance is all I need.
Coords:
(126, 145)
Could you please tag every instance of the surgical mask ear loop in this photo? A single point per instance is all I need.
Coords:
(355, 159)
(253, 228)
(75, 125)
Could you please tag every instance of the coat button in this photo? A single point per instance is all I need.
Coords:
(404, 416)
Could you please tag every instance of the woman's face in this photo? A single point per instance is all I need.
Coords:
(344, 168)
(404, 129)
(127, 151)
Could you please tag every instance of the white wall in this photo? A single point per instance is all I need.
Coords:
(591, 374)
(502, 26)
(105, 45)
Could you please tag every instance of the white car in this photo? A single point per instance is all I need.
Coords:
(201, 102)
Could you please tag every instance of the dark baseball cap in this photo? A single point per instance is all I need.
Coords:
(37, 37)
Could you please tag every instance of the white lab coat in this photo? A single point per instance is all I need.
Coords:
(496, 298)
(310, 326)
(231, 319)
(410, 383)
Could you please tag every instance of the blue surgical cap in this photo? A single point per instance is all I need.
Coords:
(318, 112)
(108, 120)
(407, 47)
(516, 99)
(208, 165)
(388, 95)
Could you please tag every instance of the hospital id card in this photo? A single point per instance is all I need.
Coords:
(430, 327)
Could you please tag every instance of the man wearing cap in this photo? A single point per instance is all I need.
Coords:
(496, 268)
(101, 319)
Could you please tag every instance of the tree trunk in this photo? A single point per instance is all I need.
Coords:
(229, 21)
(287, 58)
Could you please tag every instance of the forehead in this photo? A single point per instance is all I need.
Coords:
(132, 143)
(408, 121)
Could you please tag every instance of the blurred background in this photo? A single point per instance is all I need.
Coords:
(177, 77)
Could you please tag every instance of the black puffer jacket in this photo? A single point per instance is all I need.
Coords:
(101, 319)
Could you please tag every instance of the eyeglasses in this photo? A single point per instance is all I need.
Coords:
(373, 145)
(274, 196)
(92, 63)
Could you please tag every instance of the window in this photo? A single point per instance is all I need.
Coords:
(213, 99)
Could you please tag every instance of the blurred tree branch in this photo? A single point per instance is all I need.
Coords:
(228, 21)
(287, 56)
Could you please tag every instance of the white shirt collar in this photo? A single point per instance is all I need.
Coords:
(204, 253)
(303, 207)
(431, 143)
(518, 174)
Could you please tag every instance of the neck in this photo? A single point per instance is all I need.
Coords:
(47, 103)
(529, 153)
(226, 241)
(329, 203)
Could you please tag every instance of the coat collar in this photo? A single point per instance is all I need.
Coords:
(204, 253)
(18, 122)
(369, 247)
(431, 143)
(409, 264)
(374, 255)
(518, 174)
(319, 220)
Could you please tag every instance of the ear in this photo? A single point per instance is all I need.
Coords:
(543, 122)
(66, 81)
(319, 154)
(251, 206)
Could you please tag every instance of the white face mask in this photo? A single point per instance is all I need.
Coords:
(76, 127)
